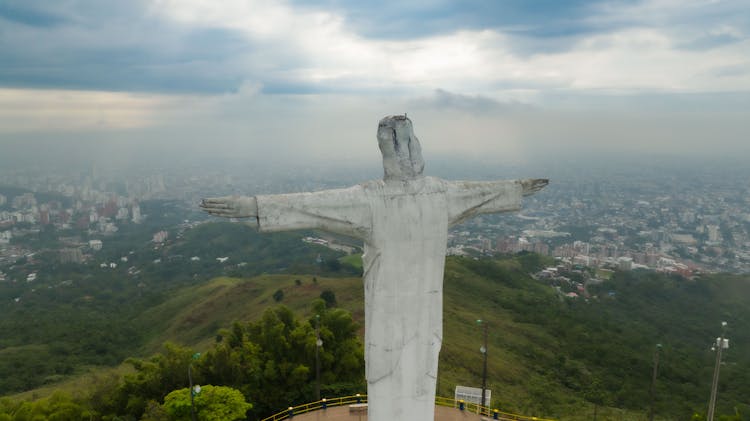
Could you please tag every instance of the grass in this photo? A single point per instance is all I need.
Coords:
(193, 316)
(76, 385)
(353, 260)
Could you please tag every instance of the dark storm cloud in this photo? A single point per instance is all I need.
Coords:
(28, 14)
(119, 47)
(543, 25)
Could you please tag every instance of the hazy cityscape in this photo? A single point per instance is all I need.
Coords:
(631, 217)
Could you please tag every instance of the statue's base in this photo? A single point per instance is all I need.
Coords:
(358, 409)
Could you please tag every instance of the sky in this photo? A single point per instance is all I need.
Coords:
(506, 81)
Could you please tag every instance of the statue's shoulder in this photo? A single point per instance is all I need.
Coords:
(434, 181)
(418, 185)
(371, 185)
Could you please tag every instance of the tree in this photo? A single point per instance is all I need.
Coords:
(342, 354)
(277, 357)
(153, 379)
(329, 297)
(154, 412)
(278, 295)
(212, 403)
(234, 361)
(57, 407)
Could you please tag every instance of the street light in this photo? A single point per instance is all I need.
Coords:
(318, 344)
(193, 390)
(483, 350)
(720, 344)
(653, 382)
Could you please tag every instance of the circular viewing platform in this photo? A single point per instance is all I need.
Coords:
(342, 413)
(355, 408)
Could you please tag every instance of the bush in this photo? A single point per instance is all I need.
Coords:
(329, 297)
(212, 403)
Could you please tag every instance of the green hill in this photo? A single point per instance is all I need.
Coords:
(193, 316)
(549, 355)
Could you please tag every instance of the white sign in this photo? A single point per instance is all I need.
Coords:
(473, 395)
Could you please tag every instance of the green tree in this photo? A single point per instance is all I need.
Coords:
(153, 379)
(329, 297)
(342, 354)
(272, 360)
(57, 407)
(234, 361)
(154, 412)
(212, 403)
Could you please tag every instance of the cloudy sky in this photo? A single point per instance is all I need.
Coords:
(308, 80)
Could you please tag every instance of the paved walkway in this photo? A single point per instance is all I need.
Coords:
(341, 413)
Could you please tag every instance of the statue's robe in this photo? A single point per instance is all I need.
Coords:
(404, 227)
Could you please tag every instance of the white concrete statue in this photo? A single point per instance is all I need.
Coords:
(403, 221)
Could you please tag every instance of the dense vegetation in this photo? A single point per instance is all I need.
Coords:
(554, 354)
(271, 361)
(77, 315)
(548, 355)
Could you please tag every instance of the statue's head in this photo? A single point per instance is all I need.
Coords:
(402, 154)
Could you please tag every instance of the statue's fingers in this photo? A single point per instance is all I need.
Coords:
(215, 200)
(531, 186)
(221, 212)
(205, 205)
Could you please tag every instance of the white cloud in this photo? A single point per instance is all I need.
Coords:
(317, 48)
(638, 60)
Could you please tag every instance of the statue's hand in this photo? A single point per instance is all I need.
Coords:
(533, 185)
(231, 206)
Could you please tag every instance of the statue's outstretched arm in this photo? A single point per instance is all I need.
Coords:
(467, 199)
(343, 211)
(533, 185)
(231, 206)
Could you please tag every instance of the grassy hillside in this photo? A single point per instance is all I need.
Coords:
(548, 355)
(193, 316)
(74, 316)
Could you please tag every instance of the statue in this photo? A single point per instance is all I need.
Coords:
(403, 221)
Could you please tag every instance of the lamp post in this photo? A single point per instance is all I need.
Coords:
(193, 390)
(720, 344)
(318, 344)
(652, 391)
(483, 350)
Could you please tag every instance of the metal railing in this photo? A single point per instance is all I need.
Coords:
(485, 410)
(440, 401)
(314, 406)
